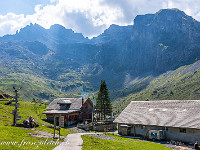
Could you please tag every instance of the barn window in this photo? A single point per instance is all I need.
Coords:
(182, 130)
(165, 128)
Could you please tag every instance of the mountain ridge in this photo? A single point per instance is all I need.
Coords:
(127, 57)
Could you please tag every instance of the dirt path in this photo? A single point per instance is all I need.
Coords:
(175, 147)
(44, 134)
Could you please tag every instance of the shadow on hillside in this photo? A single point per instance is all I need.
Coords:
(137, 87)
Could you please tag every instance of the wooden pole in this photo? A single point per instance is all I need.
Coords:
(54, 125)
(92, 113)
(14, 120)
(134, 131)
(15, 111)
(14, 123)
(59, 132)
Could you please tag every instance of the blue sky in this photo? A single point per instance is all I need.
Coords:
(90, 17)
(20, 6)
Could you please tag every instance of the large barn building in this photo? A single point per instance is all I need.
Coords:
(179, 120)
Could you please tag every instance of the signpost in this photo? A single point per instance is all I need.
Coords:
(17, 105)
(14, 101)
(15, 111)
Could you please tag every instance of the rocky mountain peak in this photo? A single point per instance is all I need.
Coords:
(173, 13)
(143, 20)
(163, 16)
(57, 34)
(59, 28)
(114, 33)
(155, 44)
(32, 28)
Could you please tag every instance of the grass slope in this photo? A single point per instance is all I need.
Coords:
(33, 87)
(120, 143)
(181, 84)
(17, 138)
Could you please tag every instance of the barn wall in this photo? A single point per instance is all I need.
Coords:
(191, 135)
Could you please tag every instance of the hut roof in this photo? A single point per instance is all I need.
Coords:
(75, 103)
(59, 111)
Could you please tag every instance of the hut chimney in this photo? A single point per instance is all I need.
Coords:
(82, 101)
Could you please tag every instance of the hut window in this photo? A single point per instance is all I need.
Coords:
(182, 130)
(64, 106)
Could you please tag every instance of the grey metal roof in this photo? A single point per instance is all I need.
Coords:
(59, 111)
(168, 113)
(76, 103)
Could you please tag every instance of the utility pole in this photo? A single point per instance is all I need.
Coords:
(15, 111)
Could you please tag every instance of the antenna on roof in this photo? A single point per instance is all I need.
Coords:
(82, 101)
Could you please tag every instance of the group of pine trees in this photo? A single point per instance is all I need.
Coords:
(103, 103)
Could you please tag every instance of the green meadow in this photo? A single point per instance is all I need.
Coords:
(19, 138)
(119, 143)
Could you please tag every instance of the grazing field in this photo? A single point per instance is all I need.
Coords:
(18, 138)
(119, 143)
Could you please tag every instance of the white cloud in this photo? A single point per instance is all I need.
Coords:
(52, 1)
(91, 17)
(88, 17)
(131, 8)
(10, 23)
(85, 16)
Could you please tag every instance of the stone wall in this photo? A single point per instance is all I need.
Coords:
(85, 126)
(107, 127)
(97, 128)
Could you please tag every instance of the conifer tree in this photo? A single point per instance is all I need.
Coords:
(103, 103)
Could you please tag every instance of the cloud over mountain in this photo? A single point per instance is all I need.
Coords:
(92, 17)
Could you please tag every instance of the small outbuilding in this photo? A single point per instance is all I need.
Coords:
(177, 120)
(70, 110)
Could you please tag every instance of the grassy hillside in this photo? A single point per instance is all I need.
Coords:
(18, 138)
(34, 87)
(119, 143)
(181, 84)
(40, 76)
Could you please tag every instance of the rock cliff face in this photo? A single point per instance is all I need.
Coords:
(166, 40)
(155, 44)
(114, 33)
